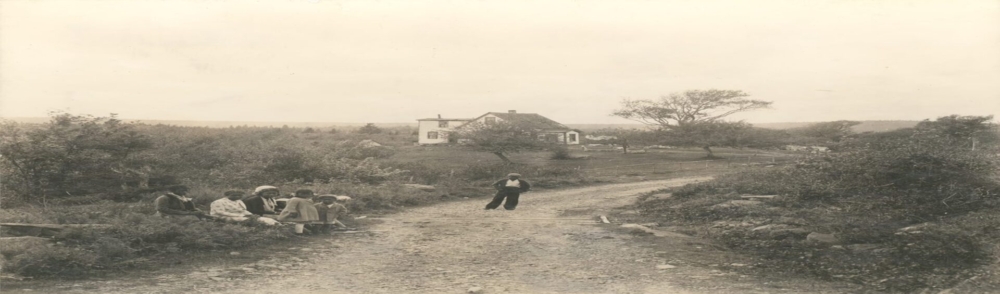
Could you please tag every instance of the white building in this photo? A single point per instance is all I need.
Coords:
(435, 130)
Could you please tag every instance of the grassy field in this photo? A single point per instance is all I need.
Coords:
(607, 166)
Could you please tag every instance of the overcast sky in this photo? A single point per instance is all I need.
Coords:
(572, 61)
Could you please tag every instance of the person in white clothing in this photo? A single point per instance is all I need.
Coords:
(230, 208)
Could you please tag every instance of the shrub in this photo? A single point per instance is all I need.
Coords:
(369, 129)
(865, 193)
(560, 153)
(53, 261)
(130, 235)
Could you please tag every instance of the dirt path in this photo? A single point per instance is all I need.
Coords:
(550, 244)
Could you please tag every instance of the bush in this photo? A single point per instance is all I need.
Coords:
(560, 153)
(130, 235)
(875, 185)
(369, 129)
(53, 261)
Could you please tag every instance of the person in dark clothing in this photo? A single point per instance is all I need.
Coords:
(263, 202)
(175, 204)
(509, 188)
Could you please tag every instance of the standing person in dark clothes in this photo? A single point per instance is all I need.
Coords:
(510, 188)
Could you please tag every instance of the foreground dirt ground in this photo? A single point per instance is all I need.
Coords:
(552, 243)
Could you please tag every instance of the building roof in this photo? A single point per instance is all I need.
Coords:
(533, 119)
(448, 119)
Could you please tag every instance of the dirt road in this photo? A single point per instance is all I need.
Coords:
(552, 243)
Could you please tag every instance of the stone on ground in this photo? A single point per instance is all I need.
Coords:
(11, 246)
(821, 238)
(425, 188)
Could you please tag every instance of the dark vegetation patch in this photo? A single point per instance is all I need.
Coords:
(900, 211)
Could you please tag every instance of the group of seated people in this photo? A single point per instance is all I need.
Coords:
(319, 213)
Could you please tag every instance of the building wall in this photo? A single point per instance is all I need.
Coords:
(426, 126)
(570, 136)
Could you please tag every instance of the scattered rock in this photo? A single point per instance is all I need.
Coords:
(791, 221)
(782, 231)
(664, 266)
(425, 188)
(659, 196)
(11, 246)
(234, 253)
(821, 238)
(765, 197)
(738, 203)
(647, 230)
(768, 228)
(916, 228)
(368, 144)
(862, 247)
(475, 290)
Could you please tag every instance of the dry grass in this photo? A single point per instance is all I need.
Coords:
(607, 166)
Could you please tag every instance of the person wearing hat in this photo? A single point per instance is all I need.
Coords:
(300, 210)
(329, 212)
(509, 188)
(262, 203)
(230, 208)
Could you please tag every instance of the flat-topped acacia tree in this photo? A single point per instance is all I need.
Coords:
(696, 115)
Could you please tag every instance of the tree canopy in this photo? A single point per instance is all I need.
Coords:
(694, 117)
(500, 138)
(692, 106)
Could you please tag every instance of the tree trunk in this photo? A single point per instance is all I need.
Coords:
(505, 159)
(709, 150)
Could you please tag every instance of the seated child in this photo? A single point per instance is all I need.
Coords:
(329, 213)
(300, 210)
